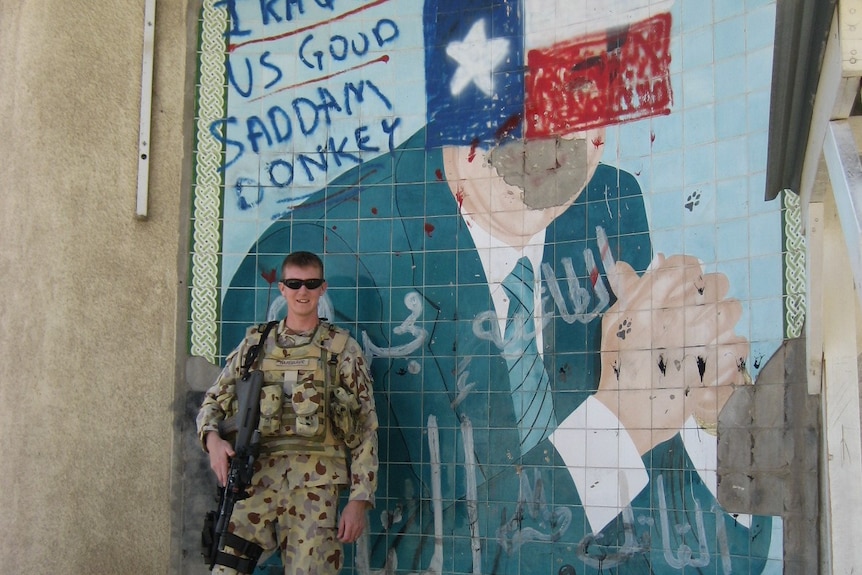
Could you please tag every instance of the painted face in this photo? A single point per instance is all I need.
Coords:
(517, 189)
(549, 172)
(300, 297)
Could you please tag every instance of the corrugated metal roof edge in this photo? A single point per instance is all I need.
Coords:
(801, 32)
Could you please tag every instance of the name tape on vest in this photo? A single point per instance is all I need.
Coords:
(295, 363)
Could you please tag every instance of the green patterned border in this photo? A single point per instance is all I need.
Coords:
(794, 265)
(206, 195)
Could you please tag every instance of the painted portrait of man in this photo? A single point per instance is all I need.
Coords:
(548, 384)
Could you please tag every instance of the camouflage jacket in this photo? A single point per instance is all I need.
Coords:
(304, 455)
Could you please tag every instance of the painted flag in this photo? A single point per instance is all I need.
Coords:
(543, 68)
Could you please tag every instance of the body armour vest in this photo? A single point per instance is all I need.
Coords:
(299, 383)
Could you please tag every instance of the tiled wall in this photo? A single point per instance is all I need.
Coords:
(423, 148)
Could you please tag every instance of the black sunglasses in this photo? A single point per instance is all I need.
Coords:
(310, 284)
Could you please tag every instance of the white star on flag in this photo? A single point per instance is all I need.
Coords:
(477, 58)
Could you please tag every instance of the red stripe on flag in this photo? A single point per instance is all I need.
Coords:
(600, 79)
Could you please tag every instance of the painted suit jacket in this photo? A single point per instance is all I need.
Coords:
(405, 277)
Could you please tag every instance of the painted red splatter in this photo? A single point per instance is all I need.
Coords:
(598, 142)
(270, 277)
(439, 174)
(509, 126)
(429, 229)
(473, 145)
(374, 211)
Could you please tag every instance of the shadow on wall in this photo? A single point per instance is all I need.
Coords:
(199, 491)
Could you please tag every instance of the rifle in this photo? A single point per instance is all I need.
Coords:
(215, 535)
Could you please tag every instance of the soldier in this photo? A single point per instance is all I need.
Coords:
(317, 405)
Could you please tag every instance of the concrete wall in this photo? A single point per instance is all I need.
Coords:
(89, 294)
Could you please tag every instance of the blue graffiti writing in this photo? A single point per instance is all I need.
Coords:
(309, 115)
(269, 15)
(340, 49)
(281, 172)
(308, 111)
(236, 29)
(272, 78)
(271, 12)
(248, 193)
(262, 72)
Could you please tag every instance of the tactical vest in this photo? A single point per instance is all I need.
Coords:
(299, 387)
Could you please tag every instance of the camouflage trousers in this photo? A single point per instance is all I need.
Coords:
(301, 522)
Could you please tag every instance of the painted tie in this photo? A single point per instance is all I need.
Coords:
(528, 380)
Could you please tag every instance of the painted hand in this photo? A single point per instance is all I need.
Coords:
(669, 351)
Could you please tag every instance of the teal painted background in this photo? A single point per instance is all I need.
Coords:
(618, 132)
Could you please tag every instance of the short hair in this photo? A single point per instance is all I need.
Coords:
(303, 259)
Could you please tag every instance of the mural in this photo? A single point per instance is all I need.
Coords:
(544, 222)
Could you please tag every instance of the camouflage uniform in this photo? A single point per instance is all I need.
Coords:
(305, 438)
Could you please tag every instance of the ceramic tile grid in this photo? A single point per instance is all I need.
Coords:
(360, 131)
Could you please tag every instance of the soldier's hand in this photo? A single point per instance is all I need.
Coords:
(352, 521)
(220, 452)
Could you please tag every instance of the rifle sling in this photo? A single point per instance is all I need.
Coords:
(229, 425)
(254, 350)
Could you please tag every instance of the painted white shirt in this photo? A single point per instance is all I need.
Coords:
(498, 260)
(602, 459)
(606, 467)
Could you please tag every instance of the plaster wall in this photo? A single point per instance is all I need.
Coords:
(89, 293)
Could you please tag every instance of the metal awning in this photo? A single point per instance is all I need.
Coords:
(801, 32)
